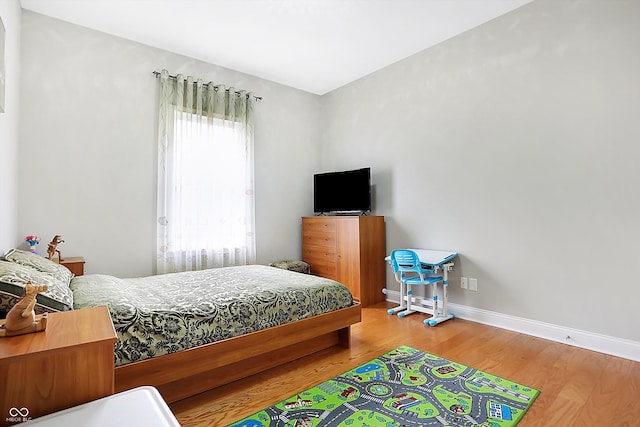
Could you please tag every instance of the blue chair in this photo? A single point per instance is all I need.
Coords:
(409, 272)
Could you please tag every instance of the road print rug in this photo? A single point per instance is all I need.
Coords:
(404, 387)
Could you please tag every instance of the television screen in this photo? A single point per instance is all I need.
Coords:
(345, 191)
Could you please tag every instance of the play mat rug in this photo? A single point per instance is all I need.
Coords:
(404, 387)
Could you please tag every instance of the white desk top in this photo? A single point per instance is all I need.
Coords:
(139, 407)
(432, 257)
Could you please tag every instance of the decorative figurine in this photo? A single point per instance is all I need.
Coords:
(53, 244)
(21, 319)
(33, 241)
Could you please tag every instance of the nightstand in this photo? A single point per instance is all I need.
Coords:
(75, 264)
(70, 363)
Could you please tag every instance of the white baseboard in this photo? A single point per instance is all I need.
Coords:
(614, 346)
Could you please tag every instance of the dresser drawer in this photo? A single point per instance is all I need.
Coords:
(319, 253)
(311, 225)
(319, 238)
(324, 268)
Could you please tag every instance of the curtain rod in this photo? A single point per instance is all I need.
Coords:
(157, 74)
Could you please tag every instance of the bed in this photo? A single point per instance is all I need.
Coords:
(185, 333)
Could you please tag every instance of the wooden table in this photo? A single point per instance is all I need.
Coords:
(75, 264)
(69, 364)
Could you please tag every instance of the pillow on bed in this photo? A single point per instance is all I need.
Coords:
(9, 300)
(14, 277)
(40, 263)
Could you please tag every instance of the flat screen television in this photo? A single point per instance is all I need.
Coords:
(342, 192)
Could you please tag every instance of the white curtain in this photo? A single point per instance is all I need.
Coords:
(205, 196)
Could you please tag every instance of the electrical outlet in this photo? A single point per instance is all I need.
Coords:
(473, 284)
(464, 283)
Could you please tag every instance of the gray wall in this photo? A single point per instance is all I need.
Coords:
(10, 14)
(515, 144)
(87, 159)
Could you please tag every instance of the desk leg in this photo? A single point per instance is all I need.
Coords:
(441, 316)
(436, 312)
(402, 305)
(445, 286)
(408, 311)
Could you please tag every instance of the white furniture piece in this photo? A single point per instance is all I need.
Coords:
(410, 272)
(140, 407)
(436, 261)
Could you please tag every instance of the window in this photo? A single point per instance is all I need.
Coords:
(205, 183)
(210, 188)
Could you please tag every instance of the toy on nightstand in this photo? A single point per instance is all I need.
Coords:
(53, 245)
(33, 242)
(21, 319)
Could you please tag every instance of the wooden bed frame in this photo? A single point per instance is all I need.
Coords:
(189, 372)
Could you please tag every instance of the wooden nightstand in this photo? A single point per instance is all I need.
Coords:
(75, 264)
(69, 364)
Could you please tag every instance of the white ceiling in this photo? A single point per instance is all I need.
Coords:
(313, 45)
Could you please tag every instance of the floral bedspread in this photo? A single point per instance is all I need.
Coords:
(163, 314)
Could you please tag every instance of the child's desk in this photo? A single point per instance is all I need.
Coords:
(433, 260)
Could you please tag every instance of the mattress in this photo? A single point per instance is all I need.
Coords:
(162, 314)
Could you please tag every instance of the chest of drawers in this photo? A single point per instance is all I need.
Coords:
(348, 249)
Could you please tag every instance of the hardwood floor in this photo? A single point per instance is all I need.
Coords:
(578, 387)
